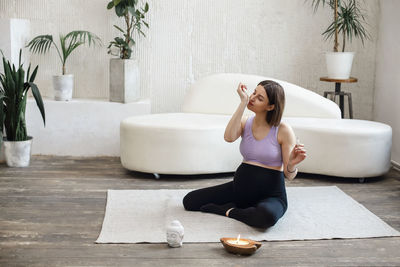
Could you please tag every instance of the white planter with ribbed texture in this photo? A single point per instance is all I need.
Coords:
(339, 64)
(63, 87)
(18, 153)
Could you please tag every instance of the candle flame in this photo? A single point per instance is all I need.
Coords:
(238, 238)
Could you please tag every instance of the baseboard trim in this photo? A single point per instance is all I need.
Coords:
(396, 165)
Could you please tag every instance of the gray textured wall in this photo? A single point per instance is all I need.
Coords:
(188, 39)
(387, 93)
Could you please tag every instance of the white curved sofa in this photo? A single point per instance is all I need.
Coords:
(192, 142)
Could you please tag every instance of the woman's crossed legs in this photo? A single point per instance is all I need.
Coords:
(221, 198)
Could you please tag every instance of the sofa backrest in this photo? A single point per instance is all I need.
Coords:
(216, 94)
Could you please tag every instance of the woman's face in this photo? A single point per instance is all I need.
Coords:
(259, 101)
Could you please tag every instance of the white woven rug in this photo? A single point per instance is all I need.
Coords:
(321, 212)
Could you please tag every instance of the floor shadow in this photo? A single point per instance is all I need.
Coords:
(300, 175)
(177, 177)
(342, 180)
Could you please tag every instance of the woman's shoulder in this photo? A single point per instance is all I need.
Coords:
(284, 131)
(284, 126)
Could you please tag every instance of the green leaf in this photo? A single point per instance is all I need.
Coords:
(20, 79)
(119, 40)
(32, 78)
(19, 61)
(38, 99)
(77, 38)
(146, 7)
(119, 28)
(129, 53)
(20, 129)
(63, 49)
(131, 10)
(29, 69)
(116, 2)
(133, 41)
(83, 36)
(40, 44)
(137, 14)
(110, 5)
(119, 10)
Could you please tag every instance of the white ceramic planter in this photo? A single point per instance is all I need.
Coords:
(339, 64)
(63, 87)
(124, 80)
(18, 153)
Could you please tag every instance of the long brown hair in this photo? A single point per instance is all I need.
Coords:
(276, 96)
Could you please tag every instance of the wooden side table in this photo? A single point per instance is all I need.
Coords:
(341, 94)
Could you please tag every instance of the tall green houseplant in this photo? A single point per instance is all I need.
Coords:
(134, 21)
(348, 20)
(15, 87)
(124, 71)
(13, 96)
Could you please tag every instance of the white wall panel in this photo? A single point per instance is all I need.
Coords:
(387, 92)
(188, 39)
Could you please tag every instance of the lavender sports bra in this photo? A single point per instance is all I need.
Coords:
(266, 151)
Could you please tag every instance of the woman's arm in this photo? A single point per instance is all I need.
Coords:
(292, 153)
(235, 126)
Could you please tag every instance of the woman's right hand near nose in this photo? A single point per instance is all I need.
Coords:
(241, 90)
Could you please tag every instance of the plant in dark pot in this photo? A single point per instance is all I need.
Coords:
(348, 20)
(63, 84)
(13, 96)
(124, 72)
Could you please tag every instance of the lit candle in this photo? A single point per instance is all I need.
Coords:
(237, 241)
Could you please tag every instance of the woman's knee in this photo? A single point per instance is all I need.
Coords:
(189, 203)
(266, 218)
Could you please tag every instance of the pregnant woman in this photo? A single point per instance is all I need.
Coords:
(257, 194)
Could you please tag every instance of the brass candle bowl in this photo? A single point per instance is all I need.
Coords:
(246, 249)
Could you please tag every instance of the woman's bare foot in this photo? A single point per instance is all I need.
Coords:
(227, 212)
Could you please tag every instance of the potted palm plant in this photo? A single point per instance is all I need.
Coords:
(348, 20)
(13, 96)
(63, 84)
(124, 72)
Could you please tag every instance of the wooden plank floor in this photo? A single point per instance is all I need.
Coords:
(52, 212)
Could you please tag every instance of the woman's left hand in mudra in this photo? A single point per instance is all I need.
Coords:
(297, 155)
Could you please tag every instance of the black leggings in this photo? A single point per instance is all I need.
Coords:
(257, 194)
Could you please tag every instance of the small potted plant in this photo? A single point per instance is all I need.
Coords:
(63, 84)
(13, 96)
(348, 20)
(124, 72)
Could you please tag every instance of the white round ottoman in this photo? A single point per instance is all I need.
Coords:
(178, 143)
(344, 147)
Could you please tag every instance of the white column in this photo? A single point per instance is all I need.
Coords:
(14, 35)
